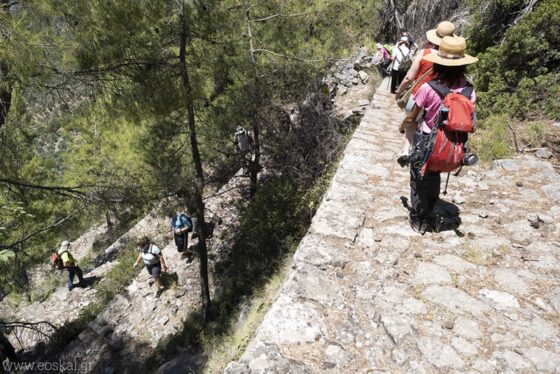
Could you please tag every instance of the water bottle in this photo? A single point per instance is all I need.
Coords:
(470, 159)
(443, 113)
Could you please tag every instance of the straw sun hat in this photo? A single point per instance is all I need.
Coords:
(451, 53)
(444, 28)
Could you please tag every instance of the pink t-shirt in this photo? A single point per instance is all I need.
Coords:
(428, 99)
(385, 53)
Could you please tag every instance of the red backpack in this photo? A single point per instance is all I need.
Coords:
(56, 261)
(446, 148)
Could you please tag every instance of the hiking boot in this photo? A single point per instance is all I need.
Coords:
(415, 222)
(403, 160)
(419, 225)
(436, 223)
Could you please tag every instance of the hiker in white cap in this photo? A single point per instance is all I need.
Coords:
(400, 57)
(64, 260)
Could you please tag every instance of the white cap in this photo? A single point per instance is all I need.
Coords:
(64, 246)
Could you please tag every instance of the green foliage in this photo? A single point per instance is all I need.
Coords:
(493, 140)
(536, 134)
(490, 20)
(518, 76)
(6, 255)
(119, 276)
(521, 76)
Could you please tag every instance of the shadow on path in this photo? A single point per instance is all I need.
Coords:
(448, 216)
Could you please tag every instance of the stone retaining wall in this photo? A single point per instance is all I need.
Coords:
(366, 294)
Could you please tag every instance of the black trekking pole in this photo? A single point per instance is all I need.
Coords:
(446, 183)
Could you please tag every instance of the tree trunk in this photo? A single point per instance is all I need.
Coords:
(5, 95)
(5, 90)
(7, 349)
(254, 164)
(198, 202)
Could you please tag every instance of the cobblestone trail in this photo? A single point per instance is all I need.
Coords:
(366, 294)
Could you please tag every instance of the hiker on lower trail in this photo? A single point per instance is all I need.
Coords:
(153, 260)
(401, 64)
(411, 43)
(242, 141)
(419, 73)
(181, 225)
(449, 65)
(244, 144)
(384, 58)
(63, 259)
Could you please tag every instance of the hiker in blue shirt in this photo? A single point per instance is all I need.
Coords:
(181, 225)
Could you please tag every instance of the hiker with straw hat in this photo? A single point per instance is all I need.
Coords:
(449, 65)
(420, 72)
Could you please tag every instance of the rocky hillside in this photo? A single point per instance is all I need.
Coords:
(366, 293)
(134, 323)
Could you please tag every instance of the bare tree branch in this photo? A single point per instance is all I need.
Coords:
(66, 191)
(282, 15)
(295, 58)
(13, 245)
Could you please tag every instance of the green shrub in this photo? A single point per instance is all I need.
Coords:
(119, 276)
(520, 77)
(536, 134)
(493, 140)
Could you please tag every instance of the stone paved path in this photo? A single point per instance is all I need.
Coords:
(366, 294)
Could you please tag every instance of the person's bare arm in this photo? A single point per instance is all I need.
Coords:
(137, 259)
(410, 118)
(411, 73)
(163, 266)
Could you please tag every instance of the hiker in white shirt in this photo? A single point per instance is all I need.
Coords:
(153, 259)
(400, 52)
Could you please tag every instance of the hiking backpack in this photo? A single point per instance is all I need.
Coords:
(181, 221)
(148, 250)
(242, 140)
(406, 61)
(56, 261)
(456, 118)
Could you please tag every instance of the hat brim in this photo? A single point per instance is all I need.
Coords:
(432, 37)
(436, 59)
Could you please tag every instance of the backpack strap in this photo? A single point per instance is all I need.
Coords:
(441, 90)
(467, 91)
(184, 220)
(149, 250)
